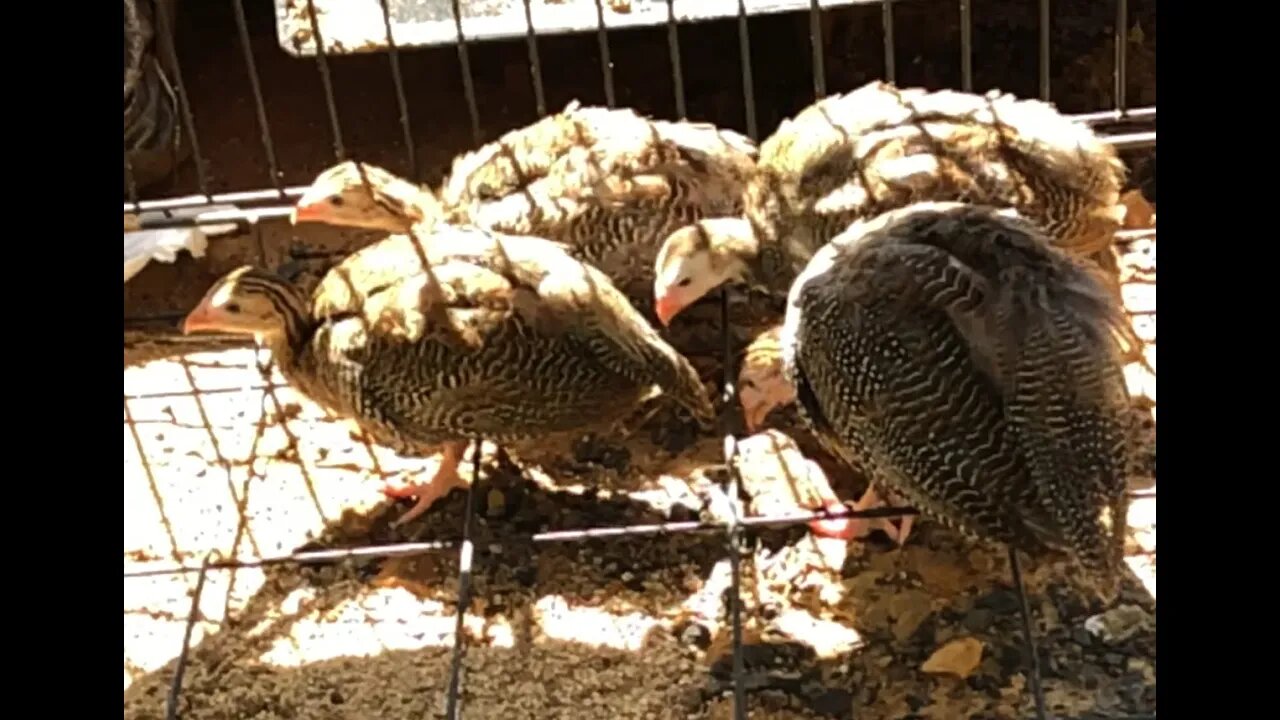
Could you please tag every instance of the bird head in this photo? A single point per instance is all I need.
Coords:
(698, 258)
(762, 385)
(245, 301)
(360, 195)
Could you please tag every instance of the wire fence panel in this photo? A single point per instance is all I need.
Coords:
(321, 28)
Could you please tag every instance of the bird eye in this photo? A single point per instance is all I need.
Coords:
(685, 282)
(336, 200)
(232, 307)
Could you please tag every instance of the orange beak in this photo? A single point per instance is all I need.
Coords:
(313, 212)
(199, 319)
(666, 307)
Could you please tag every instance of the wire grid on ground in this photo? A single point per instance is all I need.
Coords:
(211, 402)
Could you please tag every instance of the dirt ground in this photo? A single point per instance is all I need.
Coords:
(626, 628)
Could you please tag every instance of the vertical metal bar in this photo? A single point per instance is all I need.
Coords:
(1044, 50)
(815, 40)
(535, 64)
(748, 85)
(184, 100)
(677, 74)
(886, 21)
(1037, 692)
(180, 668)
(1122, 54)
(322, 62)
(468, 83)
(606, 63)
(255, 83)
(130, 184)
(464, 590)
(402, 100)
(966, 45)
(732, 529)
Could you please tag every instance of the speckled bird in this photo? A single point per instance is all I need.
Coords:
(608, 183)
(431, 339)
(880, 147)
(972, 367)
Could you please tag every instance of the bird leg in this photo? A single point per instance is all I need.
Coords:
(445, 479)
(854, 528)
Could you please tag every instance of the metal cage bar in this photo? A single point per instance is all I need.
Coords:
(1045, 26)
(259, 102)
(465, 556)
(606, 63)
(468, 81)
(819, 59)
(886, 24)
(966, 45)
(184, 102)
(535, 62)
(402, 99)
(677, 73)
(1122, 54)
(408, 549)
(322, 63)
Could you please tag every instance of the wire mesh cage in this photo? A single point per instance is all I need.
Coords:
(226, 578)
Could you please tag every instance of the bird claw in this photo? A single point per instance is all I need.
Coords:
(858, 528)
(445, 480)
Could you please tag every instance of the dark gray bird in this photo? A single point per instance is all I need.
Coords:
(968, 365)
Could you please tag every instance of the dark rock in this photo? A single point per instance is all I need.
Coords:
(978, 620)
(982, 683)
(1081, 637)
(526, 575)
(832, 702)
(1000, 601)
(1011, 660)
(898, 673)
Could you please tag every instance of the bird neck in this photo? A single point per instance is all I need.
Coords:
(408, 201)
(296, 323)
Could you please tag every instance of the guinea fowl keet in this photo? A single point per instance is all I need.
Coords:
(879, 147)
(431, 340)
(972, 367)
(608, 183)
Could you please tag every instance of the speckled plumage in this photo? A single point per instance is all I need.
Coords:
(972, 368)
(609, 183)
(880, 147)
(505, 338)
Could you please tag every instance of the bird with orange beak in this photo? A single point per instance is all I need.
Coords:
(357, 194)
(701, 257)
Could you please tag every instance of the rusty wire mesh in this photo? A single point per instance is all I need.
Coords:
(275, 204)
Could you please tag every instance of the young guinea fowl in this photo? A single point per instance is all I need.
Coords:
(609, 184)
(972, 367)
(497, 337)
(879, 147)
